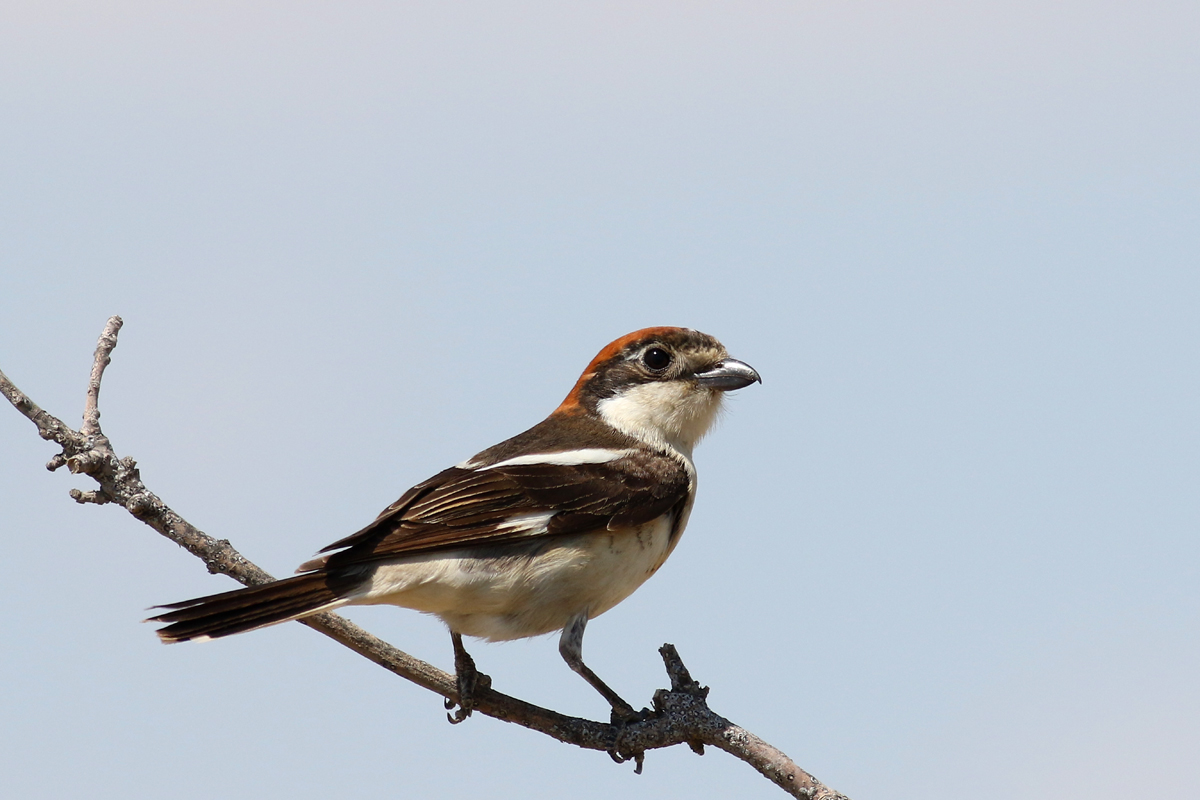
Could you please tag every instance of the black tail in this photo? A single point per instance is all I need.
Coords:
(246, 609)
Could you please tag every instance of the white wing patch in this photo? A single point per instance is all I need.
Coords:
(533, 523)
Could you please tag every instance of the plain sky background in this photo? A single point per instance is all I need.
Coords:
(949, 549)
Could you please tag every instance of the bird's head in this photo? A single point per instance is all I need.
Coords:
(662, 386)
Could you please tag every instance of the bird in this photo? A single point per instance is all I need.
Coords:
(538, 534)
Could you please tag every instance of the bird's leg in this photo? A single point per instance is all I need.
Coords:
(468, 679)
(570, 646)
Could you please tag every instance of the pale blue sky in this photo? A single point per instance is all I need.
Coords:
(951, 545)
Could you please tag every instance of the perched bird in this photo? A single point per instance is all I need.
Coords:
(537, 534)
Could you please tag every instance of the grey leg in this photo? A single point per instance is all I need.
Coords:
(570, 646)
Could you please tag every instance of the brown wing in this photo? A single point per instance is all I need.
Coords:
(461, 507)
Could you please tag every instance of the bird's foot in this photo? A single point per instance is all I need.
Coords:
(622, 717)
(470, 681)
(623, 714)
(468, 687)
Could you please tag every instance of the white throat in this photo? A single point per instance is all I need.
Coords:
(670, 415)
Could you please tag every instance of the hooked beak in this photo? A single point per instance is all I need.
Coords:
(728, 374)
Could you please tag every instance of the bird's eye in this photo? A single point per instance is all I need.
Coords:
(656, 359)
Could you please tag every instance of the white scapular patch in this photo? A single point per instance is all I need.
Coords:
(587, 455)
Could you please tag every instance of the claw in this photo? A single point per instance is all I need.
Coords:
(638, 759)
(459, 715)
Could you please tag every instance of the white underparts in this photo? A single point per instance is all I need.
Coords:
(529, 590)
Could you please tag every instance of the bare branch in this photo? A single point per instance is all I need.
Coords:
(681, 714)
(49, 426)
(104, 348)
(94, 496)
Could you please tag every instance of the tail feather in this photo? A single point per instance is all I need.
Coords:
(243, 610)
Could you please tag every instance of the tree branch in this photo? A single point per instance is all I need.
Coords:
(681, 714)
